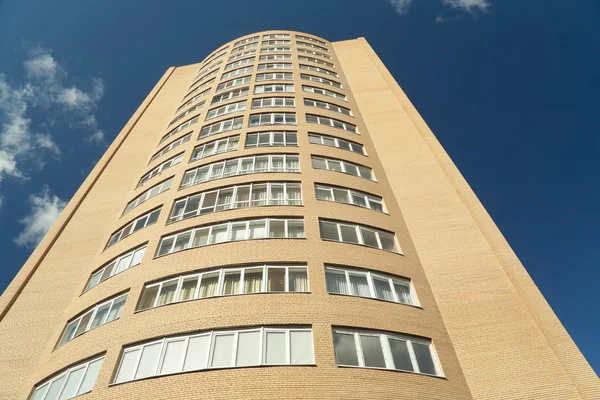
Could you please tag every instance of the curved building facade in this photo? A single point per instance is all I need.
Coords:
(275, 222)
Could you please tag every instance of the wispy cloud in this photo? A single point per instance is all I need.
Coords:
(45, 208)
(46, 87)
(473, 7)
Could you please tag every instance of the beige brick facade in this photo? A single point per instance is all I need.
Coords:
(494, 335)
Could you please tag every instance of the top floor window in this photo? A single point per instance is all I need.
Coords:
(276, 36)
(243, 54)
(244, 47)
(247, 40)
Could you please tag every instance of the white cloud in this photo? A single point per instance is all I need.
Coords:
(45, 86)
(45, 208)
(96, 137)
(401, 6)
(470, 6)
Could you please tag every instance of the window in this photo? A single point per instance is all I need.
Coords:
(99, 314)
(277, 36)
(316, 61)
(320, 80)
(349, 232)
(160, 168)
(179, 129)
(314, 46)
(302, 37)
(243, 54)
(327, 106)
(348, 196)
(274, 76)
(272, 138)
(236, 72)
(332, 141)
(237, 63)
(227, 125)
(241, 166)
(314, 53)
(238, 196)
(275, 49)
(274, 42)
(262, 67)
(171, 146)
(275, 57)
(215, 147)
(248, 40)
(335, 123)
(275, 228)
(141, 222)
(272, 119)
(273, 88)
(72, 382)
(225, 282)
(187, 112)
(232, 94)
(317, 69)
(346, 167)
(324, 92)
(217, 349)
(148, 194)
(228, 109)
(212, 57)
(116, 266)
(203, 77)
(233, 83)
(371, 349)
(202, 86)
(244, 47)
(270, 102)
(214, 62)
(363, 283)
(192, 100)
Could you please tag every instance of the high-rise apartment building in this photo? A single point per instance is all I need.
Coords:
(278, 222)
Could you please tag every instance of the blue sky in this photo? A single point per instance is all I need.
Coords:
(509, 87)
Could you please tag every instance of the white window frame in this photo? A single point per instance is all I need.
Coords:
(319, 79)
(176, 159)
(272, 119)
(148, 194)
(181, 127)
(93, 310)
(311, 45)
(370, 275)
(193, 99)
(314, 53)
(387, 354)
(275, 57)
(359, 234)
(219, 292)
(236, 72)
(234, 82)
(274, 76)
(247, 40)
(272, 141)
(231, 144)
(226, 110)
(217, 170)
(173, 145)
(209, 349)
(318, 69)
(237, 63)
(244, 47)
(276, 36)
(187, 112)
(226, 125)
(228, 226)
(179, 213)
(275, 42)
(129, 228)
(332, 122)
(316, 61)
(232, 94)
(286, 49)
(345, 166)
(270, 102)
(368, 199)
(202, 86)
(325, 105)
(115, 266)
(274, 88)
(242, 55)
(324, 92)
(310, 39)
(203, 77)
(65, 374)
(218, 54)
(325, 140)
(275, 66)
